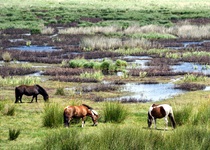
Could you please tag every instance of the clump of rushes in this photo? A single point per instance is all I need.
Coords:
(9, 110)
(6, 57)
(14, 81)
(60, 91)
(114, 112)
(13, 134)
(52, 115)
(106, 66)
(193, 78)
(93, 75)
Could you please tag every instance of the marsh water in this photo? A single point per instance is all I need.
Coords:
(149, 92)
(35, 48)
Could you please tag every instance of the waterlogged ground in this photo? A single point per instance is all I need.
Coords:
(54, 48)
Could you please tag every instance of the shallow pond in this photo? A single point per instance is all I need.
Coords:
(35, 48)
(153, 92)
(191, 67)
(189, 44)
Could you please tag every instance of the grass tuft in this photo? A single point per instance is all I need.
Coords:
(13, 134)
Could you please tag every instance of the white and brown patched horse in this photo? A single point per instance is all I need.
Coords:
(81, 111)
(161, 111)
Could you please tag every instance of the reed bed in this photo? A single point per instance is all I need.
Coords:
(14, 81)
(176, 31)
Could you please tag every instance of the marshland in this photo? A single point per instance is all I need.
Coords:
(118, 57)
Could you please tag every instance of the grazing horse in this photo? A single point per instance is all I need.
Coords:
(30, 91)
(161, 111)
(81, 111)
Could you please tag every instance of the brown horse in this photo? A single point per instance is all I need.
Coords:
(81, 111)
(30, 91)
(161, 111)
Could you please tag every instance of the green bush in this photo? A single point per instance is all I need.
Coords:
(53, 115)
(105, 66)
(114, 112)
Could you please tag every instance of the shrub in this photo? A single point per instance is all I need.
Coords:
(13, 134)
(53, 115)
(114, 112)
(105, 66)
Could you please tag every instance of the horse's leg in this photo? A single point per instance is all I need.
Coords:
(155, 123)
(32, 99)
(83, 121)
(36, 98)
(21, 98)
(166, 123)
(16, 99)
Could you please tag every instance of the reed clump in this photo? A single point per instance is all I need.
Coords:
(53, 115)
(114, 112)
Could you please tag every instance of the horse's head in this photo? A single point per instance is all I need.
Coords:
(94, 117)
(46, 97)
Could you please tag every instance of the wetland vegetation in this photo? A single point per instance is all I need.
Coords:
(118, 57)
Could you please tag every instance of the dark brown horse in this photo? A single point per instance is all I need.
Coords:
(161, 111)
(30, 91)
(81, 111)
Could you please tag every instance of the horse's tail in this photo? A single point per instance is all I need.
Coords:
(171, 116)
(65, 118)
(16, 94)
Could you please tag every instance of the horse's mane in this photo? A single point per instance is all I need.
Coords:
(42, 89)
(87, 106)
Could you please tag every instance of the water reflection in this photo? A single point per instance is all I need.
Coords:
(191, 67)
(154, 92)
(34, 48)
(187, 44)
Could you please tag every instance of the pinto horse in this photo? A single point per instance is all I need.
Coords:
(30, 91)
(161, 111)
(81, 111)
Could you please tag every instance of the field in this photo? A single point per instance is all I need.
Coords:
(87, 44)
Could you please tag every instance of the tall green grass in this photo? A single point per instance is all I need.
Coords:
(182, 115)
(128, 138)
(114, 112)
(63, 139)
(202, 115)
(14, 81)
(53, 115)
